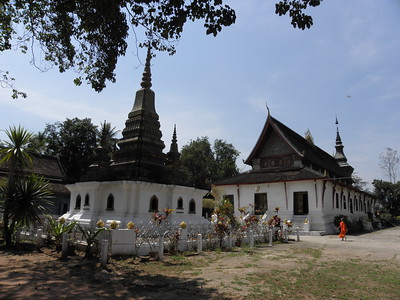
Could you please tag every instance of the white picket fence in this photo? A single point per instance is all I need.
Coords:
(155, 239)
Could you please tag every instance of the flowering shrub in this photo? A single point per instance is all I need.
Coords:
(158, 218)
(288, 223)
(275, 221)
(243, 209)
(251, 221)
(221, 229)
(168, 211)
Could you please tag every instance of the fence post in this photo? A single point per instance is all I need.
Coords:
(199, 243)
(64, 246)
(104, 253)
(39, 238)
(270, 237)
(161, 251)
(251, 239)
(230, 240)
(182, 239)
(298, 234)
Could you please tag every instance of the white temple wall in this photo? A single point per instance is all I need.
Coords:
(321, 204)
(132, 201)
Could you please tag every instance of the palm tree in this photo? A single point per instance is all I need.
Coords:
(30, 200)
(16, 156)
(38, 143)
(106, 136)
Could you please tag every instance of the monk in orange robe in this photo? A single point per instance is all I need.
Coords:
(343, 229)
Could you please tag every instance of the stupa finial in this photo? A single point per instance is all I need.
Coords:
(146, 79)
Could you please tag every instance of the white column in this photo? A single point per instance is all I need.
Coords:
(199, 243)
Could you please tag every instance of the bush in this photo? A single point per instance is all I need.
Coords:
(388, 220)
(337, 219)
(353, 226)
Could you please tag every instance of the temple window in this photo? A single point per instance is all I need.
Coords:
(86, 203)
(337, 200)
(110, 202)
(153, 204)
(78, 202)
(192, 207)
(260, 203)
(179, 203)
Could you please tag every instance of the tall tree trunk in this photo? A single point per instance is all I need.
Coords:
(6, 214)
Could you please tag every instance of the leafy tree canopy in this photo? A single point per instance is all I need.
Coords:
(388, 195)
(74, 141)
(89, 36)
(204, 163)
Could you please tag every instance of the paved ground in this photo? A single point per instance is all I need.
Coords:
(382, 244)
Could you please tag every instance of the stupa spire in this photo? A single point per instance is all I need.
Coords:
(339, 154)
(174, 142)
(146, 79)
(173, 154)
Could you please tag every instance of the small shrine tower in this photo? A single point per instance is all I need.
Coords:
(140, 155)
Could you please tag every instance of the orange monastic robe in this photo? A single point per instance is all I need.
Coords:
(343, 229)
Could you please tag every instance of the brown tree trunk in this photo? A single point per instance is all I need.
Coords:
(6, 214)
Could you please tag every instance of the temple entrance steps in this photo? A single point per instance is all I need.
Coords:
(304, 228)
(298, 221)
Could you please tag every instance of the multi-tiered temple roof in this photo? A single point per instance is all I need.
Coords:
(281, 154)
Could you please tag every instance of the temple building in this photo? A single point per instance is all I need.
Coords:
(309, 186)
(48, 167)
(140, 179)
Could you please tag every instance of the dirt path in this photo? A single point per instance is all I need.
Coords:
(33, 275)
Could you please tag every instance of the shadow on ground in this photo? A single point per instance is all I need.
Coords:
(51, 277)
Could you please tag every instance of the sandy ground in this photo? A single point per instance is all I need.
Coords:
(44, 275)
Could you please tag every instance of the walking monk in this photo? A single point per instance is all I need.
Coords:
(343, 229)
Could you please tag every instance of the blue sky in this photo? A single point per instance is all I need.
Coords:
(347, 65)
